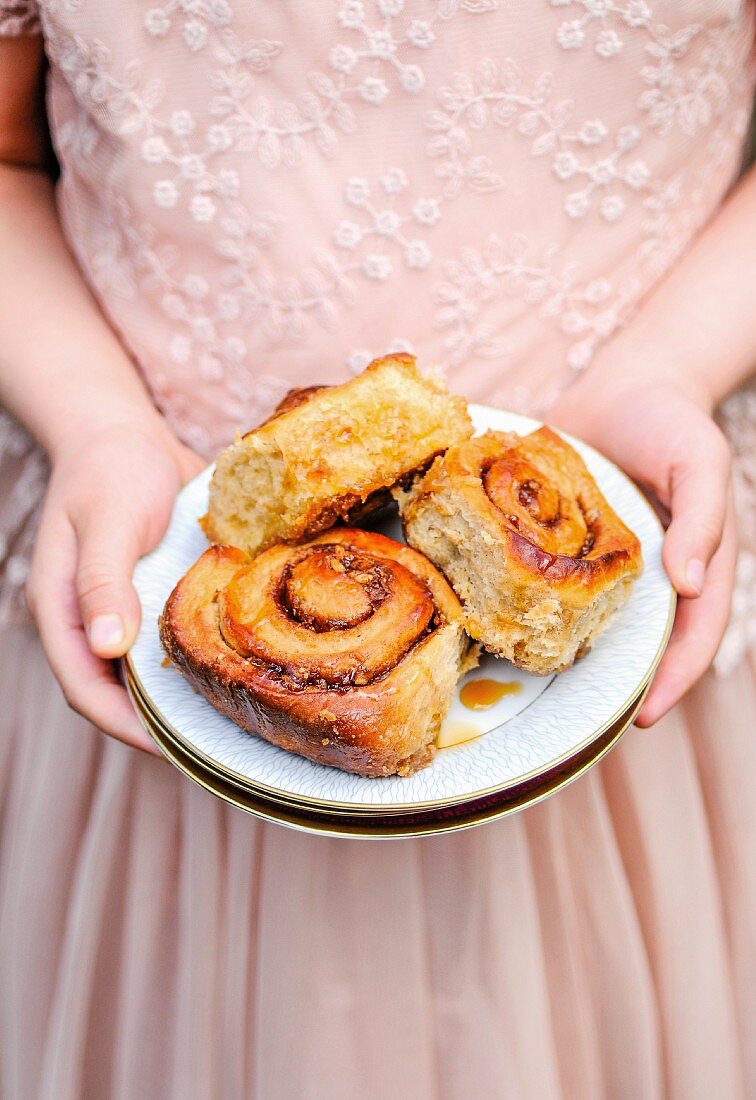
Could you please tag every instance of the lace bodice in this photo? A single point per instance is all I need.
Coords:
(267, 195)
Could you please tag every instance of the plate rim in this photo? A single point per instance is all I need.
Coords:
(273, 814)
(275, 794)
(202, 761)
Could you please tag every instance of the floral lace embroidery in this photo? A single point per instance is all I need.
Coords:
(667, 228)
(196, 20)
(279, 132)
(670, 98)
(689, 100)
(601, 23)
(546, 282)
(384, 224)
(19, 17)
(384, 42)
(605, 164)
(494, 96)
(597, 165)
(128, 256)
(281, 305)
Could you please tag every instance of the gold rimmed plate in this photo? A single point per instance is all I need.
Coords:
(391, 826)
(203, 766)
(527, 734)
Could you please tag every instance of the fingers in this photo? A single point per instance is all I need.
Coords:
(698, 630)
(108, 551)
(89, 683)
(698, 506)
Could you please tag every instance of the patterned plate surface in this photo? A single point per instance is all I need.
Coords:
(525, 734)
(212, 774)
(381, 825)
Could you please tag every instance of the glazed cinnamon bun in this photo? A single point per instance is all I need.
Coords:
(345, 649)
(331, 453)
(537, 556)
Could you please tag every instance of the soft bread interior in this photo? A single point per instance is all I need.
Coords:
(532, 627)
(301, 471)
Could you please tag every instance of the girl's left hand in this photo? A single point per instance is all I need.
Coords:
(665, 438)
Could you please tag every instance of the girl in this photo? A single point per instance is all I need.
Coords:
(252, 197)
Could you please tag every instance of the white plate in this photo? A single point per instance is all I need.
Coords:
(523, 735)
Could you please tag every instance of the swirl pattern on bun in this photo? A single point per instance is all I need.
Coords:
(345, 649)
(530, 545)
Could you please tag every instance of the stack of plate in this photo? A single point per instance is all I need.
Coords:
(538, 737)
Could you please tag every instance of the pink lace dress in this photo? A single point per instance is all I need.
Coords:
(268, 195)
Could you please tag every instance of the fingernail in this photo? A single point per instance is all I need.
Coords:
(106, 631)
(696, 574)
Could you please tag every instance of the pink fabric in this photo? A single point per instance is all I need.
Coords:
(263, 196)
(156, 943)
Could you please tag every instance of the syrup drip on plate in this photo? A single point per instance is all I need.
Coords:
(482, 693)
(456, 733)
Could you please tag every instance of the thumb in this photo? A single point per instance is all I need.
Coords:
(108, 549)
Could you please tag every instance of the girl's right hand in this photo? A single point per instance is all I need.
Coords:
(108, 502)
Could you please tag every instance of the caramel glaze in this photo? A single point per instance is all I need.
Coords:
(534, 507)
(380, 500)
(292, 399)
(365, 728)
(560, 567)
(330, 614)
(575, 544)
(452, 734)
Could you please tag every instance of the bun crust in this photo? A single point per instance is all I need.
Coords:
(345, 650)
(330, 451)
(530, 545)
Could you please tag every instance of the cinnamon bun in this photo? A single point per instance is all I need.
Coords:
(331, 453)
(522, 532)
(345, 649)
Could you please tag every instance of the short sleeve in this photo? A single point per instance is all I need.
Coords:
(19, 17)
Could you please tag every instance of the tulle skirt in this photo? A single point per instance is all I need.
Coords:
(158, 945)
